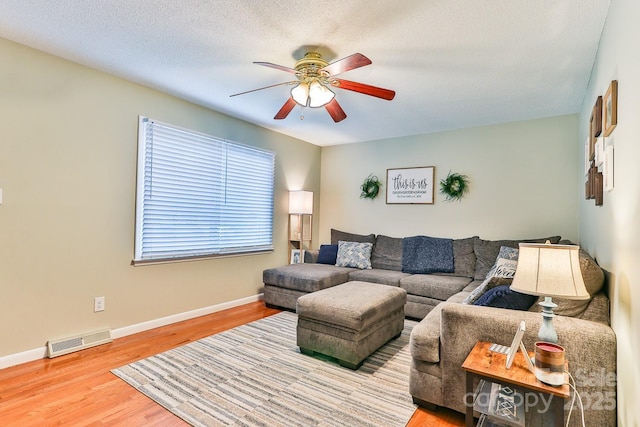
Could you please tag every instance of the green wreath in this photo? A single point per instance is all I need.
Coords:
(454, 186)
(370, 187)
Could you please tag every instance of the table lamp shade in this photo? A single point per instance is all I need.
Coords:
(550, 271)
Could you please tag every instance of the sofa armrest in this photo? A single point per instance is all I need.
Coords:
(590, 351)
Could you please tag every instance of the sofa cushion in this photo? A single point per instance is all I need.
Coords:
(337, 235)
(434, 286)
(306, 277)
(311, 255)
(464, 259)
(354, 254)
(327, 254)
(486, 251)
(598, 309)
(423, 255)
(503, 297)
(387, 253)
(376, 275)
(501, 273)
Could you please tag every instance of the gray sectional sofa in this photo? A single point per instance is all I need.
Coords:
(449, 327)
(283, 285)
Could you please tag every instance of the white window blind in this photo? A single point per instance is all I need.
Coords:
(199, 196)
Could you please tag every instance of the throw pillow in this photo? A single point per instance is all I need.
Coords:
(501, 273)
(354, 254)
(424, 255)
(503, 297)
(487, 250)
(327, 254)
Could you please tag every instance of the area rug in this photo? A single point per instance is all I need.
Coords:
(255, 375)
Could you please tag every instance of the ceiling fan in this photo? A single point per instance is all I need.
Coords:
(315, 76)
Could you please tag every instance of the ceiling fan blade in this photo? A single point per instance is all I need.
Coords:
(378, 92)
(351, 62)
(266, 87)
(277, 67)
(335, 111)
(286, 109)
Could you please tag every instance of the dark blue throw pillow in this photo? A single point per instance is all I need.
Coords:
(327, 254)
(504, 297)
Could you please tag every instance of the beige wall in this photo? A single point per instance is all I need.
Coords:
(522, 178)
(612, 232)
(67, 169)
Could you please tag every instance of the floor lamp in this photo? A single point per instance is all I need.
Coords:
(300, 215)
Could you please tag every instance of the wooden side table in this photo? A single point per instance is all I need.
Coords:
(484, 364)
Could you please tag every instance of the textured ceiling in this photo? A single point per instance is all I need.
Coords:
(453, 63)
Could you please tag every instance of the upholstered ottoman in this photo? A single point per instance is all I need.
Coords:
(350, 321)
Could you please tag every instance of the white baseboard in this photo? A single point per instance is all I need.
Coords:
(175, 318)
(23, 357)
(41, 352)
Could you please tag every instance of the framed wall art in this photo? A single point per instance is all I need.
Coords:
(410, 185)
(607, 173)
(599, 154)
(610, 108)
(595, 126)
(587, 160)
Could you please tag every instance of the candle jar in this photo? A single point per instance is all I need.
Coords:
(549, 363)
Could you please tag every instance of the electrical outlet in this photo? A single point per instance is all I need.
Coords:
(98, 304)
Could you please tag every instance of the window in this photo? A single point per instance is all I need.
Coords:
(200, 196)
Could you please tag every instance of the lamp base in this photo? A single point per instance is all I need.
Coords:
(547, 332)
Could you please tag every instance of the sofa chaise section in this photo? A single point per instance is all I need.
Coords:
(284, 285)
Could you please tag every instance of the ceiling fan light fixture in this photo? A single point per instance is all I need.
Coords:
(315, 76)
(319, 94)
(300, 94)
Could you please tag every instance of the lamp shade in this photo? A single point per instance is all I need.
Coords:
(300, 94)
(319, 94)
(549, 270)
(301, 202)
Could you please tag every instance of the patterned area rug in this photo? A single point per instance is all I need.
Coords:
(255, 375)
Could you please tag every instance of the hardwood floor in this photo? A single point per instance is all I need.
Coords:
(79, 389)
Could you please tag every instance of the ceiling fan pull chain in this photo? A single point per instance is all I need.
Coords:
(301, 112)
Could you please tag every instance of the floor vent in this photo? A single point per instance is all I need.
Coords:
(80, 342)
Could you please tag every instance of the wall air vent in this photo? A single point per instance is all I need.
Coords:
(80, 342)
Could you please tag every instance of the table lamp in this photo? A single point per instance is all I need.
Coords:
(550, 271)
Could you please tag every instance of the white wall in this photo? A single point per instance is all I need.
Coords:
(612, 232)
(68, 138)
(522, 178)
